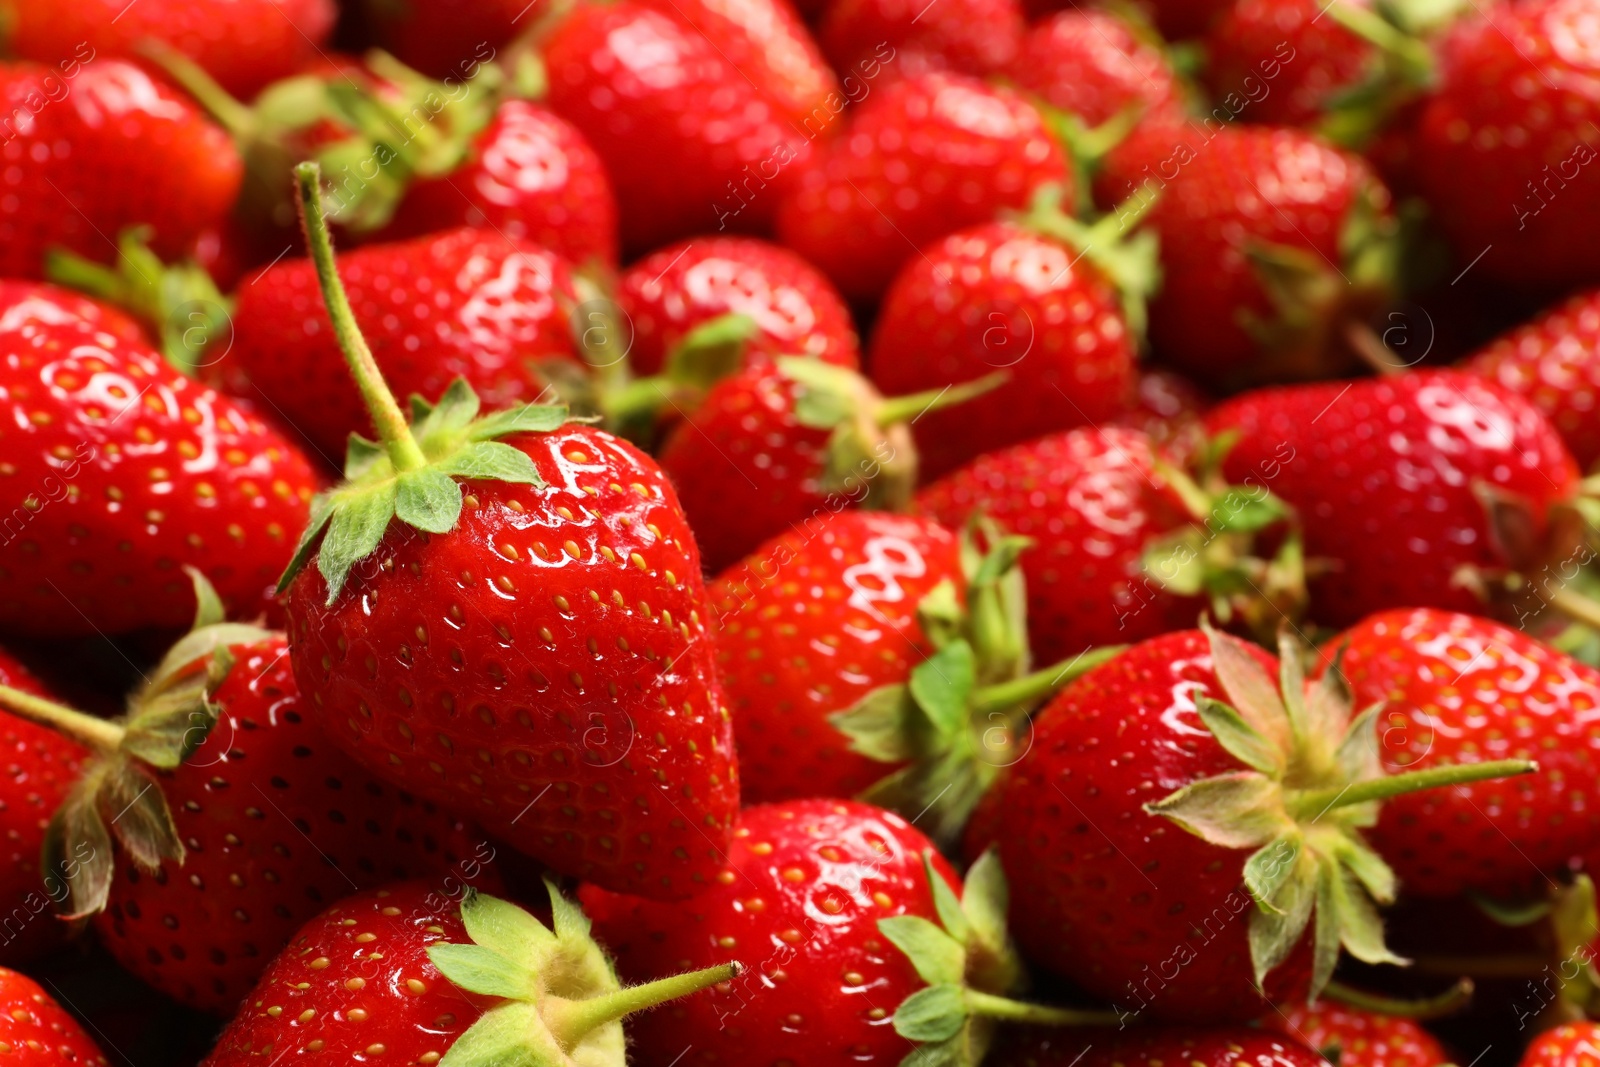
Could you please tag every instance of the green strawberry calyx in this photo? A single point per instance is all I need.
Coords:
(1403, 66)
(1313, 781)
(970, 965)
(562, 1005)
(169, 717)
(410, 472)
(962, 713)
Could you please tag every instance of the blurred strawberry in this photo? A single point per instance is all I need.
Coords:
(1096, 66)
(965, 36)
(1352, 1037)
(35, 1031)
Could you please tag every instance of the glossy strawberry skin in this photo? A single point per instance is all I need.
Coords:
(1384, 475)
(798, 902)
(1554, 361)
(921, 159)
(1001, 297)
(120, 470)
(1358, 1038)
(554, 640)
(1091, 501)
(467, 303)
(809, 624)
(37, 1032)
(1129, 906)
(1092, 65)
(1234, 1046)
(110, 147)
(644, 86)
(977, 37)
(1568, 1045)
(355, 977)
(1282, 61)
(1460, 689)
(1504, 143)
(531, 176)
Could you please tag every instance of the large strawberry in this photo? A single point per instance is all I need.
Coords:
(1231, 1046)
(216, 817)
(921, 159)
(402, 975)
(1352, 1037)
(35, 1031)
(977, 37)
(1423, 490)
(119, 470)
(547, 618)
(1198, 917)
(99, 146)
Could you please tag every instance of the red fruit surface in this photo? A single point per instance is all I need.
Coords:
(1093, 65)
(467, 303)
(104, 147)
(1385, 476)
(993, 298)
(1091, 501)
(1460, 689)
(1154, 1047)
(797, 311)
(1554, 361)
(1170, 409)
(908, 38)
(1129, 906)
(437, 37)
(554, 641)
(921, 159)
(37, 1032)
(809, 624)
(119, 470)
(1355, 1038)
(1281, 62)
(1568, 1045)
(798, 903)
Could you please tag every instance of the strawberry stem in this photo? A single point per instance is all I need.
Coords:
(1446, 1003)
(1312, 803)
(572, 1021)
(1032, 687)
(993, 1007)
(235, 117)
(387, 416)
(86, 729)
(897, 409)
(1574, 605)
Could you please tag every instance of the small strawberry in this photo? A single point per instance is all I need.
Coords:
(35, 1031)
(95, 149)
(1351, 1037)
(977, 37)
(1096, 66)
(1234, 1046)
(1286, 62)
(1573, 1044)
(216, 818)
(1554, 361)
(401, 975)
(120, 470)
(921, 159)
(549, 615)
(1174, 921)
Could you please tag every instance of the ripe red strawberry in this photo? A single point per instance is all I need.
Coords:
(1283, 62)
(1351, 1037)
(464, 304)
(1170, 409)
(1504, 142)
(921, 159)
(1572, 1044)
(550, 615)
(244, 44)
(1055, 305)
(435, 36)
(1095, 66)
(35, 1031)
(234, 818)
(1554, 361)
(794, 310)
(92, 148)
(1455, 688)
(119, 469)
(1165, 923)
(402, 975)
(977, 37)
(643, 86)
(1234, 1046)
(1420, 490)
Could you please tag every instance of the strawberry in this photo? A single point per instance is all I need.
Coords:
(244, 44)
(923, 158)
(234, 818)
(878, 654)
(1454, 687)
(35, 1031)
(400, 975)
(435, 36)
(977, 37)
(1572, 1044)
(1109, 893)
(720, 146)
(794, 310)
(1421, 490)
(855, 942)
(1234, 1046)
(1504, 142)
(1283, 62)
(94, 147)
(1351, 1037)
(581, 534)
(804, 439)
(1056, 305)
(1554, 361)
(1169, 408)
(121, 470)
(1096, 67)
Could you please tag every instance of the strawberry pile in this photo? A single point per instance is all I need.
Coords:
(800, 533)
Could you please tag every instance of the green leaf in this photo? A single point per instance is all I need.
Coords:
(208, 609)
(986, 898)
(1001, 558)
(505, 1036)
(942, 686)
(936, 955)
(941, 614)
(502, 926)
(1275, 931)
(955, 1052)
(711, 351)
(361, 455)
(1176, 563)
(933, 1014)
(1240, 810)
(170, 725)
(493, 461)
(1328, 700)
(321, 512)
(1326, 933)
(945, 901)
(1243, 510)
(358, 524)
(139, 815)
(571, 924)
(1240, 738)
(1366, 865)
(529, 418)
(1249, 688)
(879, 726)
(1292, 680)
(454, 412)
(482, 970)
(77, 855)
(427, 499)
(1357, 754)
(1269, 866)
(825, 395)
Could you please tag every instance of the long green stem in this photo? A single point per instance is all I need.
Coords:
(387, 416)
(1450, 1001)
(993, 1007)
(577, 1018)
(1032, 687)
(87, 730)
(1574, 606)
(897, 409)
(1313, 802)
(238, 119)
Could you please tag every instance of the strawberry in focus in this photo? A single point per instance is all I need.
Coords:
(37, 1032)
